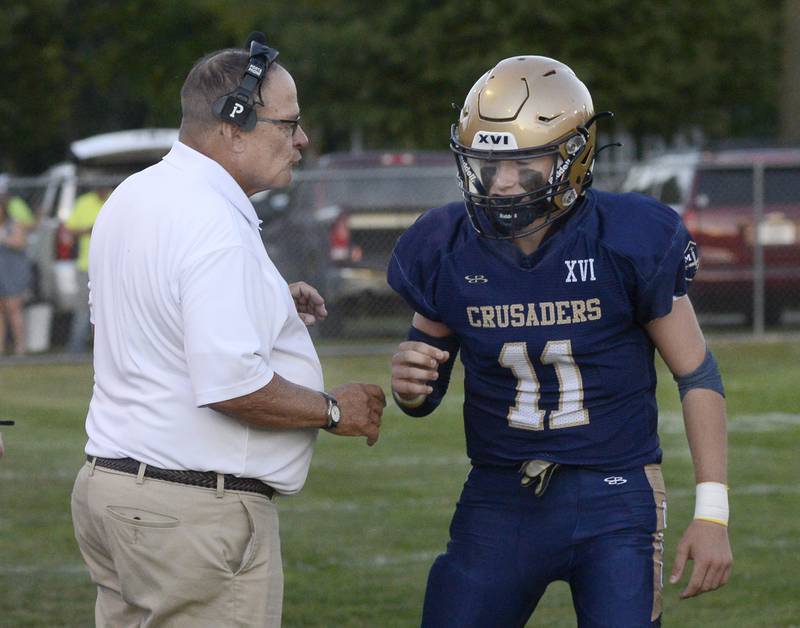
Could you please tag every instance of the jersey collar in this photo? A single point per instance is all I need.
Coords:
(555, 233)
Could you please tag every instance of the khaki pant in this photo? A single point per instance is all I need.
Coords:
(166, 554)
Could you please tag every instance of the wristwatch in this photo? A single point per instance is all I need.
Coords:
(334, 413)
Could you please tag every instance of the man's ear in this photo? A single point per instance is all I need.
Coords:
(233, 137)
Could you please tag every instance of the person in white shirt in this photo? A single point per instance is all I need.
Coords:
(208, 393)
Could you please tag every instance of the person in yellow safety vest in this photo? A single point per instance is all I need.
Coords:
(80, 224)
(18, 210)
(15, 269)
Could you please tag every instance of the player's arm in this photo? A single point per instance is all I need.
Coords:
(422, 365)
(679, 340)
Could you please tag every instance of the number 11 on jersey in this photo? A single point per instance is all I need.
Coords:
(525, 413)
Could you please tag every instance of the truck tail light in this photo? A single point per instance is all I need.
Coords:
(65, 243)
(691, 219)
(339, 239)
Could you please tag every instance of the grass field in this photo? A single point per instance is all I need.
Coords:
(358, 541)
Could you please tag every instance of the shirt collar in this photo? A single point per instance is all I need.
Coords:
(212, 173)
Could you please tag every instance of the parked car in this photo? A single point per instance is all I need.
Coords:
(94, 161)
(716, 194)
(336, 226)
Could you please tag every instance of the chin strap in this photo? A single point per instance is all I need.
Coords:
(609, 145)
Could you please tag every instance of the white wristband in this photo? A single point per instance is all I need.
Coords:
(414, 402)
(711, 502)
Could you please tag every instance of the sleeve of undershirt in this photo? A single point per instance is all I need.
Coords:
(232, 314)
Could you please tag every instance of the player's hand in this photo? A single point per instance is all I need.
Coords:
(2, 450)
(309, 303)
(413, 366)
(706, 543)
(362, 408)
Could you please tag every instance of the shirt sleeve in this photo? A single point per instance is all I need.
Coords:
(670, 279)
(415, 264)
(232, 313)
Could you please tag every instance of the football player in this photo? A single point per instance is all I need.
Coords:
(557, 296)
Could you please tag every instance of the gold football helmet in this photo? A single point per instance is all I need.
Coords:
(533, 115)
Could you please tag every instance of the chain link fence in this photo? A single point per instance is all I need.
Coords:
(335, 228)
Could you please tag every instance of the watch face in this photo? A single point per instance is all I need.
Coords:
(336, 414)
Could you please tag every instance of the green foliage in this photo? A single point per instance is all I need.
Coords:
(35, 103)
(359, 539)
(389, 71)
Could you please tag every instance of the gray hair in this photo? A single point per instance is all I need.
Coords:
(213, 76)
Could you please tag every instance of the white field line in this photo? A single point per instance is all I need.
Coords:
(304, 505)
(411, 461)
(448, 503)
(672, 422)
(757, 490)
(382, 560)
(66, 569)
(375, 561)
(6, 473)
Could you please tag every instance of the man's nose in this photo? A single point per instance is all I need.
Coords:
(300, 138)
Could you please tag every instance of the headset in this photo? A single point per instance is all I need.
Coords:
(238, 106)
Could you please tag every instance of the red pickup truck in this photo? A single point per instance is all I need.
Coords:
(719, 195)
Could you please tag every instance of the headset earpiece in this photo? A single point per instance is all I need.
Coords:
(238, 106)
(235, 110)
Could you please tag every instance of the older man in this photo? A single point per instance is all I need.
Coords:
(208, 391)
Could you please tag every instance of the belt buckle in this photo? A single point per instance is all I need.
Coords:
(537, 474)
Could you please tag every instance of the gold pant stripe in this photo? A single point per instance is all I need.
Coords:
(656, 480)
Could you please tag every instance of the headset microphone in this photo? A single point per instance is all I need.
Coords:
(256, 36)
(238, 106)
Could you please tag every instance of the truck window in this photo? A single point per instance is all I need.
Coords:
(388, 188)
(671, 192)
(724, 187)
(782, 185)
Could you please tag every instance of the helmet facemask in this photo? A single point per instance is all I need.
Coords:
(542, 174)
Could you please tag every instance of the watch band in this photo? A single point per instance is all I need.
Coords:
(333, 412)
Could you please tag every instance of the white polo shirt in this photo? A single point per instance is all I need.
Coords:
(189, 310)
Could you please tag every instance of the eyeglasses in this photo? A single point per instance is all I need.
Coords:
(293, 122)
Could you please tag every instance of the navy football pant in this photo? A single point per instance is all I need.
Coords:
(600, 532)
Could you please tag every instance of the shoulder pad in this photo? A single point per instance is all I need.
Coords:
(417, 256)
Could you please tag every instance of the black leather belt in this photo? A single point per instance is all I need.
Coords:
(207, 479)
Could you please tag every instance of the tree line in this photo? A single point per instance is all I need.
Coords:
(385, 73)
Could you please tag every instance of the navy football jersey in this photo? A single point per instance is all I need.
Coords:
(558, 365)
